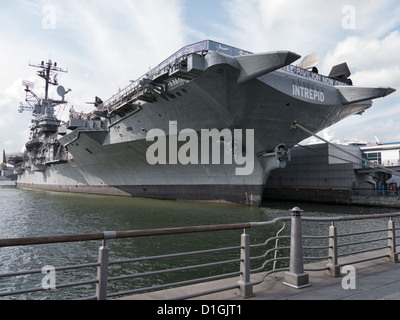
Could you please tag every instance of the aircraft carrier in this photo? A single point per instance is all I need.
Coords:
(206, 87)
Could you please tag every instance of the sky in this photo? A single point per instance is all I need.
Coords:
(105, 44)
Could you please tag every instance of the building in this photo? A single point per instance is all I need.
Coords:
(387, 155)
(334, 173)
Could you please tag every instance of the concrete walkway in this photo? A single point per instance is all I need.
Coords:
(375, 280)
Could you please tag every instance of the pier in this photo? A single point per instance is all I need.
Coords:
(342, 257)
(375, 280)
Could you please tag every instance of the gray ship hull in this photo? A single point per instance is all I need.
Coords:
(109, 157)
(207, 186)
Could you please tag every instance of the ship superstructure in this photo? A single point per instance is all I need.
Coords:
(205, 98)
(43, 147)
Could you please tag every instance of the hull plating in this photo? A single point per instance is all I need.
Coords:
(68, 178)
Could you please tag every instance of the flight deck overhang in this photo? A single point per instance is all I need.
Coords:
(256, 65)
(351, 95)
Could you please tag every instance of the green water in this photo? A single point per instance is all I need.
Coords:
(25, 213)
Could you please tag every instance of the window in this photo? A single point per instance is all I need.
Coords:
(375, 157)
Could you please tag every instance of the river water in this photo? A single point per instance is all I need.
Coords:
(26, 213)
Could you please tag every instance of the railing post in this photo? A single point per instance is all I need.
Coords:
(246, 287)
(333, 268)
(102, 269)
(296, 277)
(392, 255)
(102, 272)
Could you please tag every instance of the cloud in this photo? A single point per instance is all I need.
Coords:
(305, 26)
(118, 43)
(301, 26)
(374, 63)
(367, 54)
(11, 119)
(104, 44)
(366, 128)
(371, 46)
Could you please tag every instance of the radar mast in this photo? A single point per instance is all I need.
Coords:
(43, 146)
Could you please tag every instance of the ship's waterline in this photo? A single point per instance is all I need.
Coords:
(72, 177)
(245, 194)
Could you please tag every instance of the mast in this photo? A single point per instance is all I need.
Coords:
(47, 71)
(43, 146)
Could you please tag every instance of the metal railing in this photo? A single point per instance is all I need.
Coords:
(329, 246)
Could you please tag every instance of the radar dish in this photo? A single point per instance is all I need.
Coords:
(61, 91)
